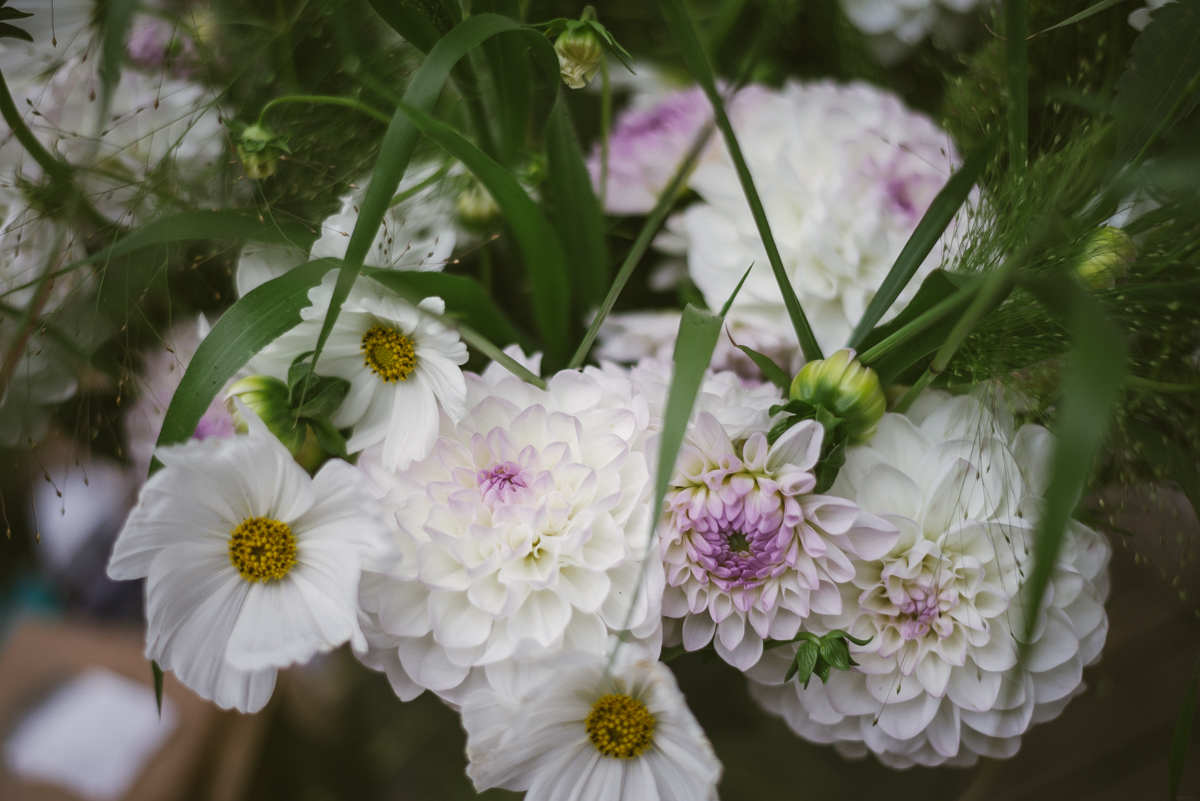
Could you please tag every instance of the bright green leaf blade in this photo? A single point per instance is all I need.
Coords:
(505, 55)
(649, 229)
(1016, 30)
(774, 373)
(411, 24)
(544, 259)
(1103, 5)
(400, 141)
(158, 684)
(465, 300)
(576, 210)
(484, 346)
(1181, 737)
(1095, 369)
(117, 16)
(251, 324)
(697, 61)
(927, 233)
(1158, 86)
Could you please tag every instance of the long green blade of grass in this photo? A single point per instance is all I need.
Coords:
(694, 56)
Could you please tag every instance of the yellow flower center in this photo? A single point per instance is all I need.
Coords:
(620, 726)
(262, 549)
(388, 353)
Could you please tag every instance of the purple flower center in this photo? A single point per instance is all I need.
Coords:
(920, 612)
(501, 483)
(742, 554)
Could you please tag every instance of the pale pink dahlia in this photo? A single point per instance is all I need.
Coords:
(746, 542)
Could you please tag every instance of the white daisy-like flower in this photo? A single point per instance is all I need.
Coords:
(845, 173)
(402, 365)
(529, 521)
(749, 550)
(418, 233)
(939, 680)
(250, 565)
(567, 728)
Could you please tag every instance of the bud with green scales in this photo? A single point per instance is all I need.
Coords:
(267, 397)
(580, 45)
(1106, 255)
(259, 149)
(847, 389)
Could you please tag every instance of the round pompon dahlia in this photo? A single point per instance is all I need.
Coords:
(250, 565)
(939, 681)
(573, 727)
(749, 550)
(528, 521)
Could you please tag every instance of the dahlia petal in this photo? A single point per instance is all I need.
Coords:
(698, 630)
(426, 662)
(457, 623)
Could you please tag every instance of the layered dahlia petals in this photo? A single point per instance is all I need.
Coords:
(427, 664)
(458, 623)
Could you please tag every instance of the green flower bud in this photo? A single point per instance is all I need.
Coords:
(268, 398)
(477, 211)
(1107, 253)
(579, 52)
(847, 389)
(259, 149)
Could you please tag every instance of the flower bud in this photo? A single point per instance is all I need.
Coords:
(579, 53)
(259, 149)
(268, 398)
(477, 211)
(847, 389)
(1107, 253)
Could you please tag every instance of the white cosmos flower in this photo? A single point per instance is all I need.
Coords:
(527, 522)
(402, 364)
(250, 565)
(845, 173)
(565, 728)
(939, 682)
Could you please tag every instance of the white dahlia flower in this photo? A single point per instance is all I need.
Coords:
(528, 521)
(939, 680)
(417, 233)
(749, 551)
(250, 565)
(845, 173)
(566, 727)
(402, 365)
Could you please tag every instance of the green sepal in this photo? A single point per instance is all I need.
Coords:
(563, 25)
(833, 446)
(822, 670)
(329, 437)
(773, 372)
(807, 656)
(835, 652)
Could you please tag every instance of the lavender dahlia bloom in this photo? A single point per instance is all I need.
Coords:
(749, 551)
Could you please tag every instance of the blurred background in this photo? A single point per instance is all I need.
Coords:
(334, 729)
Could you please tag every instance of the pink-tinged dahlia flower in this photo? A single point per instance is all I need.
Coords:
(749, 551)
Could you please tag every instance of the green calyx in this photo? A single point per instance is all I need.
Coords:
(259, 149)
(846, 389)
(580, 45)
(820, 655)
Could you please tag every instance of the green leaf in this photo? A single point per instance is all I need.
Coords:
(1158, 87)
(329, 437)
(117, 16)
(409, 22)
(774, 373)
(1182, 736)
(400, 140)
(933, 224)
(465, 300)
(1103, 5)
(158, 684)
(251, 324)
(484, 346)
(576, 210)
(835, 652)
(821, 669)
(505, 55)
(693, 55)
(544, 259)
(663, 207)
(1095, 369)
(323, 397)
(804, 662)
(12, 13)
(846, 636)
(13, 32)
(1016, 31)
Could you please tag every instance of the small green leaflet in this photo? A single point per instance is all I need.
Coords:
(819, 655)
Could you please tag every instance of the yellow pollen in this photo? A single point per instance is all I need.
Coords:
(262, 549)
(388, 353)
(620, 726)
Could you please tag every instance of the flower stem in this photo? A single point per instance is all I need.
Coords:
(324, 100)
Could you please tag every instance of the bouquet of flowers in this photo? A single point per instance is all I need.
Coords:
(414, 344)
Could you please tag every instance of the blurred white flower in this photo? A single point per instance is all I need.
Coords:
(529, 521)
(1140, 18)
(938, 682)
(567, 727)
(418, 233)
(749, 550)
(250, 564)
(162, 370)
(845, 173)
(402, 365)
(894, 27)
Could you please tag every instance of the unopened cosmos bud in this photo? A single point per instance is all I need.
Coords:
(847, 389)
(267, 397)
(1107, 253)
(579, 53)
(259, 149)
(477, 210)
